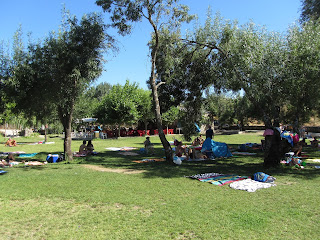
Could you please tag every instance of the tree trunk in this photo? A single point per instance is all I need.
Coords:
(66, 120)
(164, 141)
(67, 143)
(154, 88)
(45, 132)
(146, 127)
(273, 145)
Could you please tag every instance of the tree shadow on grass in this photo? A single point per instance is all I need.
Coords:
(240, 165)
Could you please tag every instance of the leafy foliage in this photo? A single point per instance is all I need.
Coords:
(310, 10)
(120, 106)
(90, 99)
(157, 13)
(55, 73)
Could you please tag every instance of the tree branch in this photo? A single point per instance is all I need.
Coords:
(159, 84)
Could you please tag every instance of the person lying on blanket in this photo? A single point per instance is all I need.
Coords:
(6, 162)
(34, 163)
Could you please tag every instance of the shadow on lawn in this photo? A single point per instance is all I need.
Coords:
(240, 165)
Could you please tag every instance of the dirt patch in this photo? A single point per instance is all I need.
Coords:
(115, 170)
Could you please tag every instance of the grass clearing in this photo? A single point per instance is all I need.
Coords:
(74, 201)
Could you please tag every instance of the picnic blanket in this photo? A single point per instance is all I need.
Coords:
(27, 155)
(217, 148)
(204, 175)
(76, 154)
(121, 148)
(129, 153)
(150, 160)
(250, 185)
(4, 154)
(113, 148)
(243, 153)
(223, 179)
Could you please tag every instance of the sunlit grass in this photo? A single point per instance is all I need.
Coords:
(70, 201)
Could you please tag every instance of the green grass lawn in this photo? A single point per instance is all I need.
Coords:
(71, 201)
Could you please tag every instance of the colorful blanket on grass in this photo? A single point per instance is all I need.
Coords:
(218, 178)
(223, 179)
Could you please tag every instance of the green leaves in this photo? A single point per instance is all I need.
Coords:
(124, 105)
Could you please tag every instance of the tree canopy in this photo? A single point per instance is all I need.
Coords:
(156, 13)
(56, 72)
(310, 10)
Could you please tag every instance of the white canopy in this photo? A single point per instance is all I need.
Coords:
(89, 119)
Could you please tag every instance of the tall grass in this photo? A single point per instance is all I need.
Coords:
(71, 201)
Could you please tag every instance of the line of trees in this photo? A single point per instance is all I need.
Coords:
(277, 73)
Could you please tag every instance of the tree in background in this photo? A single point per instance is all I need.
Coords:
(170, 116)
(120, 106)
(310, 10)
(187, 74)
(4, 75)
(145, 107)
(156, 12)
(57, 71)
(302, 73)
(90, 99)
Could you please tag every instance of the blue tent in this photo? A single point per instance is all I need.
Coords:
(218, 149)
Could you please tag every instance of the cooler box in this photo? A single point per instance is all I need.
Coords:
(52, 158)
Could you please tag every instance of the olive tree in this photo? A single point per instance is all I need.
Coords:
(156, 13)
(56, 71)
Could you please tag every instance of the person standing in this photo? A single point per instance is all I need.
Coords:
(209, 132)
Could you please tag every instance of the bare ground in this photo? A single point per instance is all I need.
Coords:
(114, 170)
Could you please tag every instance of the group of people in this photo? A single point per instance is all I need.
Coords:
(194, 150)
(86, 149)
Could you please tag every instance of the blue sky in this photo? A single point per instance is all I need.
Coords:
(132, 61)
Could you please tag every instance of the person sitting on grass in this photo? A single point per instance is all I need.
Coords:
(83, 147)
(148, 146)
(193, 151)
(89, 148)
(11, 143)
(180, 149)
(314, 142)
(297, 148)
(6, 162)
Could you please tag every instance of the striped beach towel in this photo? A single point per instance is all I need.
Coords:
(223, 179)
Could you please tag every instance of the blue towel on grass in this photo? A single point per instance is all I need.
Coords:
(26, 155)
